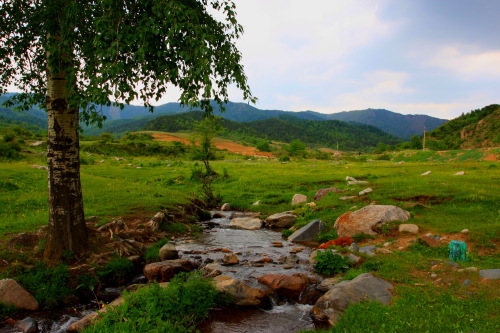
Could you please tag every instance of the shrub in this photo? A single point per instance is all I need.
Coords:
(176, 228)
(9, 150)
(153, 250)
(116, 270)
(329, 263)
(176, 308)
(285, 158)
(47, 285)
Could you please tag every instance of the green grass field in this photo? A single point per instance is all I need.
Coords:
(445, 204)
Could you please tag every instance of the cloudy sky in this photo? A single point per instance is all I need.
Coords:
(434, 57)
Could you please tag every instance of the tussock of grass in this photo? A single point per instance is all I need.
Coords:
(176, 308)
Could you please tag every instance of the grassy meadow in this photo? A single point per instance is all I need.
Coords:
(440, 203)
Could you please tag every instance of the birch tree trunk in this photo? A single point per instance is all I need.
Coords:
(67, 231)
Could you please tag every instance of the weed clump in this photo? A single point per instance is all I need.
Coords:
(176, 308)
(329, 263)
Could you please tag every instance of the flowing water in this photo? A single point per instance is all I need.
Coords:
(251, 247)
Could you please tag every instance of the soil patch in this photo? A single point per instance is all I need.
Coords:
(220, 144)
(424, 199)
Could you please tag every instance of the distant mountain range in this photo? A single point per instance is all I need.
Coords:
(134, 117)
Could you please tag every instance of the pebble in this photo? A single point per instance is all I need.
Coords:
(466, 283)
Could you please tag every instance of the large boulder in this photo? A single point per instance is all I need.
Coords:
(299, 199)
(248, 223)
(285, 285)
(308, 232)
(168, 252)
(368, 220)
(165, 270)
(240, 293)
(281, 220)
(324, 191)
(12, 294)
(340, 296)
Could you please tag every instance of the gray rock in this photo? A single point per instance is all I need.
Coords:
(452, 264)
(492, 274)
(339, 297)
(281, 220)
(354, 259)
(28, 325)
(354, 247)
(299, 199)
(466, 283)
(12, 294)
(368, 250)
(168, 252)
(307, 232)
(248, 223)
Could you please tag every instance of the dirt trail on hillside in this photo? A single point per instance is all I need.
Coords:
(221, 144)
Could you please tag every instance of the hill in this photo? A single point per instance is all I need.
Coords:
(477, 129)
(286, 128)
(132, 117)
(403, 126)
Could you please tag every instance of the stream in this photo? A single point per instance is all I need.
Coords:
(251, 247)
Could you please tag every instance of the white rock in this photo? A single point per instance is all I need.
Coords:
(225, 207)
(365, 191)
(411, 228)
(248, 223)
(426, 173)
(299, 199)
(465, 231)
(355, 182)
(460, 173)
(256, 203)
(350, 178)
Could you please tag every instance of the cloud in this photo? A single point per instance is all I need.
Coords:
(466, 62)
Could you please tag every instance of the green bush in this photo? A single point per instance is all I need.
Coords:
(153, 250)
(116, 270)
(9, 150)
(325, 236)
(176, 308)
(49, 286)
(329, 263)
(285, 158)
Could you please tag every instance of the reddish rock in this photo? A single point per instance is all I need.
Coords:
(368, 220)
(241, 294)
(324, 191)
(342, 241)
(165, 270)
(285, 285)
(430, 241)
(230, 259)
(12, 294)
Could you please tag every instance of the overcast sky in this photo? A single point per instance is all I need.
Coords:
(434, 57)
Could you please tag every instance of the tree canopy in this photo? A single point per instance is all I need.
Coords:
(120, 51)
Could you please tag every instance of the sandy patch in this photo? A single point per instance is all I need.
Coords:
(220, 144)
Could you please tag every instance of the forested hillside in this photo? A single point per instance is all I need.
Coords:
(285, 129)
(476, 129)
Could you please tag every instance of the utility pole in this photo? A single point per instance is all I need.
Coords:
(423, 145)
